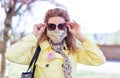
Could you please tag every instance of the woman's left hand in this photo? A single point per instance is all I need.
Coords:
(74, 29)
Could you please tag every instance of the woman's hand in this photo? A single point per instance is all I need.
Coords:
(39, 29)
(74, 29)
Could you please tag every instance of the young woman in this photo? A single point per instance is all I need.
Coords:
(59, 53)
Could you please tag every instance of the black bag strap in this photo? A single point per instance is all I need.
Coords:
(34, 59)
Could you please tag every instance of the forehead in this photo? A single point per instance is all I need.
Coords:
(56, 20)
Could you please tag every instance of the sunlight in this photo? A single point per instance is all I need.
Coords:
(96, 16)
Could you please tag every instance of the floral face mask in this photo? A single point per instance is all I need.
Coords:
(56, 36)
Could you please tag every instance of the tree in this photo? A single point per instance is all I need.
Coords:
(14, 8)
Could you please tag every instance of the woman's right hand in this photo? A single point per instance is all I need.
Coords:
(39, 29)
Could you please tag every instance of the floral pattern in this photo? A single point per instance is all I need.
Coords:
(50, 56)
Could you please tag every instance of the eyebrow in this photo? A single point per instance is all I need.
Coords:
(54, 23)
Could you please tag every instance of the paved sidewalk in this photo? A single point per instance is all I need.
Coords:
(108, 67)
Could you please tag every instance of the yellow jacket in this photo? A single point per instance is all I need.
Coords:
(22, 52)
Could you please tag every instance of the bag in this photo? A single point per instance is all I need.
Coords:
(30, 73)
(27, 75)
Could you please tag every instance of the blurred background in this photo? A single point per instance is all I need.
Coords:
(99, 21)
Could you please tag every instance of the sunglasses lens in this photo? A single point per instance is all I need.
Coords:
(62, 26)
(51, 26)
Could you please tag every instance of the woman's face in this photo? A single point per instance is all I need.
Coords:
(56, 29)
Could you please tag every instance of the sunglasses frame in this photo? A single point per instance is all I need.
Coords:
(61, 26)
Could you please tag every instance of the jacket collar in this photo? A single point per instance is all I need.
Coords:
(45, 45)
